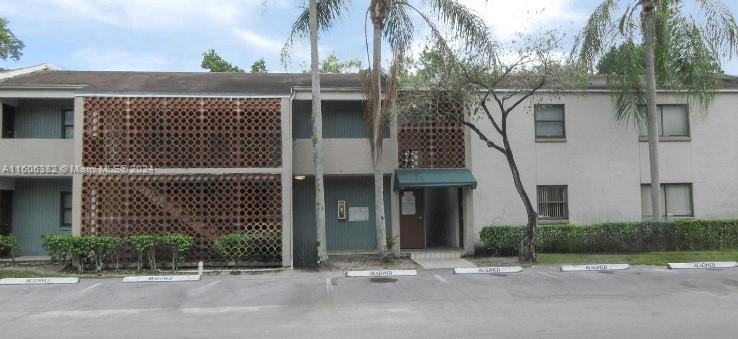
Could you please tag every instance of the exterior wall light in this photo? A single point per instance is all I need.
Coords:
(299, 177)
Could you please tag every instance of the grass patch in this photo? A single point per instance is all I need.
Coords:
(647, 258)
(11, 273)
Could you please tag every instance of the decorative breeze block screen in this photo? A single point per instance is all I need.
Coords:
(204, 206)
(432, 140)
(182, 132)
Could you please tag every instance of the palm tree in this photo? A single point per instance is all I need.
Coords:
(680, 52)
(311, 21)
(392, 21)
(316, 118)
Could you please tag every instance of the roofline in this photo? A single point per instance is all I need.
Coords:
(182, 95)
(27, 70)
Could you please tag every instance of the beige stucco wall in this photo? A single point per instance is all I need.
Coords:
(342, 156)
(603, 163)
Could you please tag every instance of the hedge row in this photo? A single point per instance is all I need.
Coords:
(8, 244)
(65, 248)
(617, 237)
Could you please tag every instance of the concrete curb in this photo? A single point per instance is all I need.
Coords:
(703, 265)
(488, 270)
(39, 281)
(594, 267)
(382, 273)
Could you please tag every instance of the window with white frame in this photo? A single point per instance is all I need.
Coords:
(676, 201)
(549, 121)
(553, 203)
(673, 121)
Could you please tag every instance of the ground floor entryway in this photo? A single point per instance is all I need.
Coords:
(434, 211)
(431, 218)
(32, 207)
(349, 216)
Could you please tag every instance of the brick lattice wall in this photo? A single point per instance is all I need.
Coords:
(182, 132)
(204, 206)
(433, 140)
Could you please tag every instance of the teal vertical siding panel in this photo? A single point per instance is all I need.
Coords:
(41, 119)
(304, 237)
(358, 191)
(37, 211)
(341, 119)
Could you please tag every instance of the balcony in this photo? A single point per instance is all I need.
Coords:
(18, 152)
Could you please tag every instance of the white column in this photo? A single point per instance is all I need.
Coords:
(470, 233)
(286, 182)
(77, 178)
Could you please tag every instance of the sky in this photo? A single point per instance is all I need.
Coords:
(171, 35)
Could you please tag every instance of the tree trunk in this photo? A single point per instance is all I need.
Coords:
(377, 124)
(317, 122)
(653, 132)
(527, 250)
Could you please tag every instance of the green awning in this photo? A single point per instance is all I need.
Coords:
(434, 177)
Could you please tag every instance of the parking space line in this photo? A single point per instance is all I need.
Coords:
(441, 279)
(91, 287)
(546, 275)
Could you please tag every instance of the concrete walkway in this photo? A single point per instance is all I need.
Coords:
(443, 263)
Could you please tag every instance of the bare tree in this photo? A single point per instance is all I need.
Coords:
(491, 87)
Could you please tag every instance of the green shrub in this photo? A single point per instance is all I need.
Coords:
(145, 244)
(688, 235)
(94, 248)
(233, 246)
(8, 244)
(59, 247)
(179, 245)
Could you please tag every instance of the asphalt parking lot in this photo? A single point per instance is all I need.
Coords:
(542, 302)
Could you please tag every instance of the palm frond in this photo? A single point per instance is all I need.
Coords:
(720, 30)
(464, 25)
(693, 69)
(597, 35)
(328, 13)
(398, 27)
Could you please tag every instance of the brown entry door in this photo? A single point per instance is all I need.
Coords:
(412, 225)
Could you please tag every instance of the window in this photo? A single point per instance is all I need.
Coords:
(673, 121)
(68, 124)
(552, 203)
(66, 211)
(676, 201)
(550, 122)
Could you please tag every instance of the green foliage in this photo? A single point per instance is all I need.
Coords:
(259, 66)
(428, 66)
(213, 62)
(332, 64)
(689, 235)
(59, 247)
(233, 246)
(95, 249)
(10, 45)
(145, 244)
(179, 245)
(688, 50)
(390, 241)
(619, 59)
(8, 243)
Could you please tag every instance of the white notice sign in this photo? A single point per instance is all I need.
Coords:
(358, 214)
(408, 203)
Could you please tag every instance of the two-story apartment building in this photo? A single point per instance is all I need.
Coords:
(226, 152)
